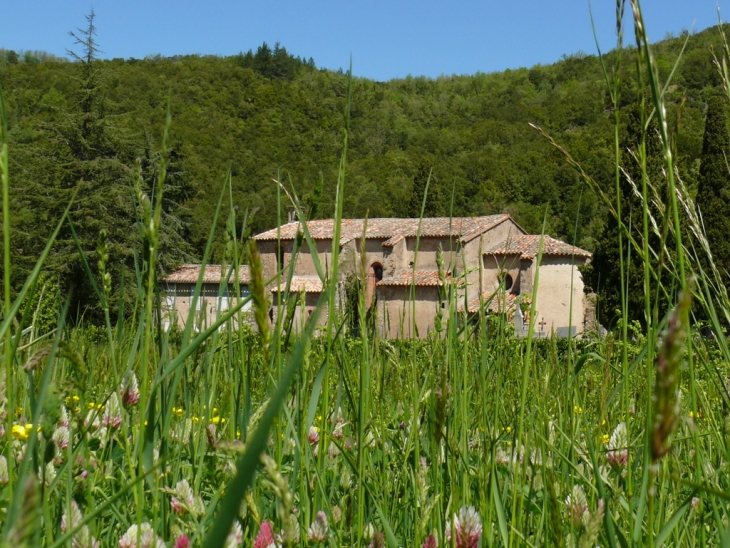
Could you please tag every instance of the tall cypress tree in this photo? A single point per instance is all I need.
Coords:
(713, 190)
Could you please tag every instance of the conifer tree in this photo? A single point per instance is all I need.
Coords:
(713, 191)
(83, 154)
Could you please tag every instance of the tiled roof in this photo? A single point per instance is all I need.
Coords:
(188, 274)
(307, 284)
(527, 246)
(499, 302)
(408, 277)
(392, 230)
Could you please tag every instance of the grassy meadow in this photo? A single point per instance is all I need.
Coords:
(248, 434)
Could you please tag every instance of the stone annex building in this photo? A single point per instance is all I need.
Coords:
(402, 288)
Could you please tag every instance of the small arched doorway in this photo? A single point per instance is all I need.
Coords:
(375, 274)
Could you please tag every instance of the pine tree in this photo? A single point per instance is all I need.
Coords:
(86, 155)
(713, 191)
(434, 202)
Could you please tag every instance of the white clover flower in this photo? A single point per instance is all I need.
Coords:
(618, 447)
(129, 390)
(467, 528)
(141, 536)
(184, 501)
(318, 532)
(112, 417)
(83, 537)
(4, 477)
(235, 537)
(577, 505)
(61, 437)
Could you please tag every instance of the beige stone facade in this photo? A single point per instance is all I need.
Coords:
(396, 259)
(217, 294)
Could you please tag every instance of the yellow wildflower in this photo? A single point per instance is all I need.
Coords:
(196, 419)
(578, 409)
(508, 429)
(218, 420)
(20, 432)
(91, 405)
(605, 438)
(177, 411)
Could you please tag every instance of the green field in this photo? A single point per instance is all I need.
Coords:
(117, 433)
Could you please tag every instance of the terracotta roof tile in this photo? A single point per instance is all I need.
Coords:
(527, 246)
(497, 302)
(188, 273)
(408, 277)
(307, 284)
(392, 230)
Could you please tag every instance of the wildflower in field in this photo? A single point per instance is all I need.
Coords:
(184, 500)
(91, 420)
(318, 532)
(368, 532)
(502, 457)
(181, 432)
(129, 390)
(141, 536)
(431, 542)
(605, 438)
(50, 474)
(467, 528)
(4, 478)
(336, 514)
(235, 537)
(178, 411)
(211, 435)
(20, 432)
(265, 538)
(83, 538)
(112, 417)
(577, 505)
(695, 504)
(182, 542)
(313, 435)
(618, 447)
(333, 451)
(578, 410)
(378, 541)
(218, 420)
(63, 421)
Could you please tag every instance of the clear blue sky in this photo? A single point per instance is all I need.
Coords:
(387, 38)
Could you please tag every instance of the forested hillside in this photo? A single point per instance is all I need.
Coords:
(271, 115)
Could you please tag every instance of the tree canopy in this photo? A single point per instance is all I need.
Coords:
(266, 114)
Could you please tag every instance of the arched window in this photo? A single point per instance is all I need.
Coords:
(375, 274)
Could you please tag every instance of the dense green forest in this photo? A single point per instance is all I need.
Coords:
(269, 115)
